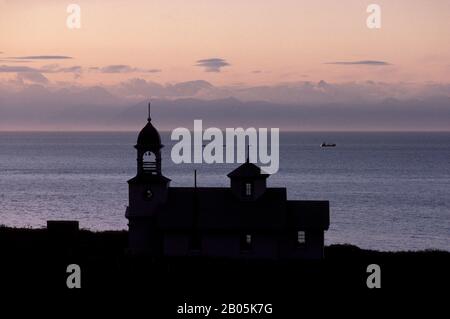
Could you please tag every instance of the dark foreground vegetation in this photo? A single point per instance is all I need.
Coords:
(36, 259)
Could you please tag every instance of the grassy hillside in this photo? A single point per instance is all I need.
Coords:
(33, 258)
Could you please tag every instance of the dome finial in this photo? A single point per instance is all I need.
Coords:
(149, 118)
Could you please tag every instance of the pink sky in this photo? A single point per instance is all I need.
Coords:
(264, 42)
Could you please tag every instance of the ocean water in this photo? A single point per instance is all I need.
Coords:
(387, 191)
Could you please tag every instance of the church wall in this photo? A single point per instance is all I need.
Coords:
(176, 244)
(264, 246)
(315, 243)
(139, 236)
(218, 245)
(139, 203)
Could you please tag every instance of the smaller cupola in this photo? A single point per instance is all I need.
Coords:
(248, 182)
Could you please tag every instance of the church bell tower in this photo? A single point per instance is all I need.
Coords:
(147, 193)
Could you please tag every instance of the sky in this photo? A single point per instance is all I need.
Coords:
(252, 50)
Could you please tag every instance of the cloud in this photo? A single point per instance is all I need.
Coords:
(117, 68)
(212, 65)
(76, 69)
(363, 62)
(122, 68)
(25, 74)
(141, 88)
(72, 69)
(34, 77)
(41, 57)
(292, 93)
(14, 69)
(14, 61)
(51, 68)
(55, 68)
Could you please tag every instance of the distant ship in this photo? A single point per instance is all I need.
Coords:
(327, 145)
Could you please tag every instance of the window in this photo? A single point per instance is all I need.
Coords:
(149, 162)
(246, 242)
(301, 237)
(248, 189)
(248, 239)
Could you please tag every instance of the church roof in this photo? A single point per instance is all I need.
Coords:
(217, 208)
(149, 178)
(248, 170)
(149, 136)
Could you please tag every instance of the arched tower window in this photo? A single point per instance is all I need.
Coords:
(149, 164)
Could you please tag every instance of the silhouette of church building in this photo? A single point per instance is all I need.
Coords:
(246, 220)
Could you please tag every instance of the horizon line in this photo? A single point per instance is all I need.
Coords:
(169, 131)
